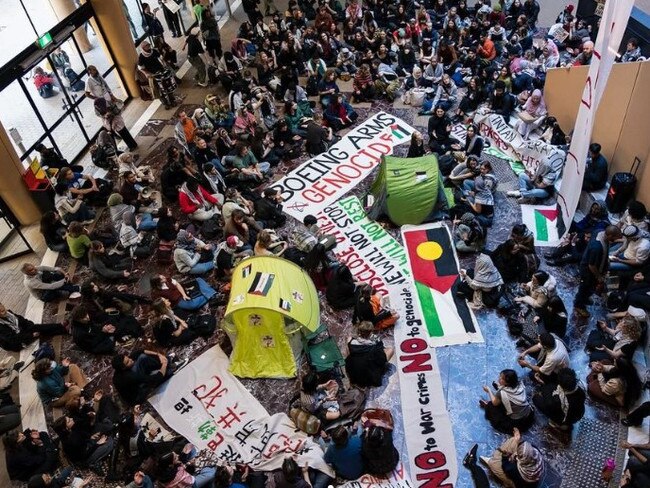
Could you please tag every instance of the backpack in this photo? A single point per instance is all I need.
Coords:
(76, 84)
(210, 229)
(44, 351)
(165, 252)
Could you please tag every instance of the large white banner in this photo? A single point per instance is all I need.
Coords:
(397, 479)
(503, 137)
(205, 403)
(322, 180)
(375, 257)
(610, 33)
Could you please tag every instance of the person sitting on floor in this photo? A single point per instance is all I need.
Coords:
(617, 385)
(95, 338)
(609, 344)
(199, 292)
(137, 374)
(171, 330)
(17, 332)
(633, 254)
(369, 306)
(341, 292)
(319, 399)
(378, 451)
(56, 384)
(552, 356)
(47, 283)
(78, 241)
(196, 202)
(538, 290)
(367, 359)
(564, 404)
(517, 463)
(508, 407)
(469, 235)
(29, 453)
(113, 267)
(595, 169)
(344, 453)
(53, 231)
(481, 286)
(540, 184)
(552, 317)
(80, 445)
(268, 209)
(191, 254)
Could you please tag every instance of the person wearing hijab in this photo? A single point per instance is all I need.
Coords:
(196, 202)
(564, 403)
(517, 463)
(203, 122)
(533, 114)
(483, 283)
(189, 254)
(508, 408)
(113, 121)
(117, 209)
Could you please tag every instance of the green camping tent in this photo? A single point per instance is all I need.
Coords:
(273, 302)
(408, 190)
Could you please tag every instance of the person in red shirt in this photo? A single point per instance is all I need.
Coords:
(486, 51)
(197, 202)
(44, 83)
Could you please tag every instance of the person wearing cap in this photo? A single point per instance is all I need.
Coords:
(268, 209)
(345, 62)
(227, 255)
(633, 253)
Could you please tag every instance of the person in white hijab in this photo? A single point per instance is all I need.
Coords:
(533, 114)
(516, 463)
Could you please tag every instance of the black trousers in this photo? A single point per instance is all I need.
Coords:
(128, 138)
(585, 289)
(636, 417)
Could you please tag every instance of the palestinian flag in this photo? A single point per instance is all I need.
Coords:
(285, 305)
(399, 132)
(261, 284)
(434, 269)
(542, 221)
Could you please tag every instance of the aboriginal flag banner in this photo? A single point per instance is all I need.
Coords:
(434, 270)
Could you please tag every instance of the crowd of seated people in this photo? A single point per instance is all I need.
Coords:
(207, 209)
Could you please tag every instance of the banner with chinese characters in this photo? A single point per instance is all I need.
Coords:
(325, 178)
(375, 257)
(205, 403)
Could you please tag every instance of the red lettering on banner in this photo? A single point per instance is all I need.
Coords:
(209, 400)
(587, 103)
(417, 363)
(353, 160)
(432, 460)
(322, 187)
(312, 196)
(573, 156)
(413, 345)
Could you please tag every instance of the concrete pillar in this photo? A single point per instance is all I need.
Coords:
(63, 8)
(115, 33)
(12, 186)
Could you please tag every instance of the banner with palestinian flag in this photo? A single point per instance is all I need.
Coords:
(434, 269)
(542, 221)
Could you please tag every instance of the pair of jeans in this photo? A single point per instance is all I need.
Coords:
(202, 268)
(319, 479)
(59, 293)
(204, 477)
(82, 215)
(207, 292)
(147, 222)
(528, 190)
(101, 452)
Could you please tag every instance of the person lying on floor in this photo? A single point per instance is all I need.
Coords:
(16, 332)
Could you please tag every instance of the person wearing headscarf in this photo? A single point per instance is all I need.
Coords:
(203, 122)
(483, 284)
(533, 114)
(508, 408)
(517, 463)
(189, 254)
(469, 234)
(564, 403)
(117, 208)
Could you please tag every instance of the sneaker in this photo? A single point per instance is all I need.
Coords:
(514, 193)
(202, 84)
(74, 295)
(470, 457)
(180, 364)
(582, 312)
